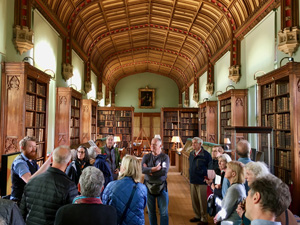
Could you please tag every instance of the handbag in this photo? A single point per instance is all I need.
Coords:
(127, 205)
(155, 189)
(211, 206)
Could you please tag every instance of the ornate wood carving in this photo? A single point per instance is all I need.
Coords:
(13, 82)
(85, 108)
(212, 138)
(62, 138)
(210, 88)
(11, 145)
(67, 71)
(62, 100)
(212, 109)
(239, 102)
(87, 86)
(234, 73)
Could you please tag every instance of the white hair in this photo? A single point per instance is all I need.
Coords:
(259, 169)
(92, 153)
(60, 156)
(225, 157)
(91, 182)
(199, 140)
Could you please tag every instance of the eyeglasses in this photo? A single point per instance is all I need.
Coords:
(82, 152)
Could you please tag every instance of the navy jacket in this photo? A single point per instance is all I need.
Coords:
(198, 166)
(102, 165)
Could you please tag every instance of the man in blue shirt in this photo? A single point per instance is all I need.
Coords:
(24, 167)
(269, 197)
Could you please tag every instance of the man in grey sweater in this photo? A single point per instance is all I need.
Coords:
(155, 166)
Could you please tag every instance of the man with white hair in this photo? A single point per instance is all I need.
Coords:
(87, 208)
(47, 192)
(199, 160)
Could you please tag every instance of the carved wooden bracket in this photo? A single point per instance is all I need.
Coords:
(210, 88)
(85, 108)
(211, 109)
(179, 105)
(99, 95)
(186, 103)
(62, 100)
(67, 71)
(288, 40)
(239, 102)
(212, 138)
(22, 39)
(234, 73)
(196, 97)
(62, 138)
(107, 101)
(11, 145)
(87, 86)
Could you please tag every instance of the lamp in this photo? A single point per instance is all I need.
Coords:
(175, 139)
(116, 140)
(157, 136)
(227, 143)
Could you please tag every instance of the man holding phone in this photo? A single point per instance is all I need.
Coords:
(199, 160)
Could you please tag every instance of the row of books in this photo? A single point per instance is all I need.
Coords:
(74, 141)
(75, 112)
(38, 134)
(203, 120)
(123, 130)
(170, 114)
(283, 104)
(171, 132)
(126, 138)
(226, 123)
(122, 118)
(225, 108)
(268, 106)
(226, 115)
(268, 90)
(189, 115)
(268, 121)
(30, 85)
(41, 89)
(29, 119)
(94, 121)
(203, 133)
(74, 122)
(189, 120)
(105, 130)
(106, 117)
(74, 131)
(225, 102)
(109, 112)
(41, 104)
(284, 175)
(283, 121)
(282, 88)
(203, 127)
(191, 126)
(190, 133)
(123, 113)
(30, 102)
(284, 159)
(40, 119)
(171, 119)
(75, 102)
(283, 139)
(93, 129)
(40, 150)
(169, 125)
(123, 124)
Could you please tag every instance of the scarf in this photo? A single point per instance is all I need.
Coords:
(87, 200)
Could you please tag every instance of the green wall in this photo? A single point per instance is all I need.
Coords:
(127, 91)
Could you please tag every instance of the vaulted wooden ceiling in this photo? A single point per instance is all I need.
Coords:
(174, 38)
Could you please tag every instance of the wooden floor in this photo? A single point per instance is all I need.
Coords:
(180, 203)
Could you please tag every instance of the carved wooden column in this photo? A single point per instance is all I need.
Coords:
(196, 89)
(210, 79)
(22, 33)
(107, 94)
(87, 78)
(113, 95)
(235, 58)
(288, 37)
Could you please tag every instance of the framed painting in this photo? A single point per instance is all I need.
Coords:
(7, 161)
(146, 98)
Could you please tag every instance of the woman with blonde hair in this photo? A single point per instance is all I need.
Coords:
(234, 195)
(127, 194)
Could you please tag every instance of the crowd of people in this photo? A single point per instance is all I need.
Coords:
(94, 186)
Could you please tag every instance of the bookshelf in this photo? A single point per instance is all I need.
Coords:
(117, 121)
(279, 107)
(232, 111)
(88, 120)
(24, 110)
(208, 123)
(181, 122)
(68, 117)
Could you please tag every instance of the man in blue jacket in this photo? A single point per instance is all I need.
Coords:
(199, 160)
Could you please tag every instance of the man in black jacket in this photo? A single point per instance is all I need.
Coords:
(46, 193)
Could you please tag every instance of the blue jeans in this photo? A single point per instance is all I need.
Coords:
(163, 201)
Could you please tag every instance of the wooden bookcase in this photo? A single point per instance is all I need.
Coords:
(232, 110)
(279, 107)
(24, 107)
(67, 117)
(88, 120)
(117, 121)
(208, 124)
(181, 122)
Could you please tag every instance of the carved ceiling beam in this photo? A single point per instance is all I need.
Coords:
(288, 36)
(22, 33)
